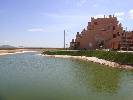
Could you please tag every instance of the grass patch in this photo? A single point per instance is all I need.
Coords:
(122, 58)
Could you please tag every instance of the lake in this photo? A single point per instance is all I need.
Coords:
(30, 76)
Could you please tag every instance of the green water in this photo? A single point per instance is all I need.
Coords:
(30, 76)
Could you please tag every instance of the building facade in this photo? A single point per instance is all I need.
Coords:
(126, 40)
(102, 33)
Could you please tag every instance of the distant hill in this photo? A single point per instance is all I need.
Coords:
(7, 47)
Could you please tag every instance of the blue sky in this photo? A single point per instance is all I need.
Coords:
(40, 23)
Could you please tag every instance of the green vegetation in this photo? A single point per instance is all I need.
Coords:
(122, 58)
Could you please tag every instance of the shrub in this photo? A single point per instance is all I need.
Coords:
(122, 58)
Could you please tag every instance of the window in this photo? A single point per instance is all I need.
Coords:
(113, 27)
(95, 23)
(122, 34)
(114, 35)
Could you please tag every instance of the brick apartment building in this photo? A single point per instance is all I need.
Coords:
(103, 33)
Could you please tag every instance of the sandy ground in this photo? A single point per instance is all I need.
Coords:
(95, 60)
(8, 52)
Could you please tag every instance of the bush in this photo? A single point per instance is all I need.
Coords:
(122, 58)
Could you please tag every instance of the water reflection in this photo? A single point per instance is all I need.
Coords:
(105, 80)
(1, 98)
(98, 78)
(31, 77)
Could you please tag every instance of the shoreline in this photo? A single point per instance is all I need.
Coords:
(95, 60)
(2, 54)
(10, 52)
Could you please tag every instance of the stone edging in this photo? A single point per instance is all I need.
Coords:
(95, 60)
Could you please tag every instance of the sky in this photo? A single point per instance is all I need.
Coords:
(40, 23)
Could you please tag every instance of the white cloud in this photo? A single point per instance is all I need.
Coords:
(73, 22)
(81, 2)
(131, 13)
(6, 42)
(59, 16)
(68, 19)
(120, 19)
(119, 14)
(53, 28)
(95, 5)
(36, 30)
(99, 16)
